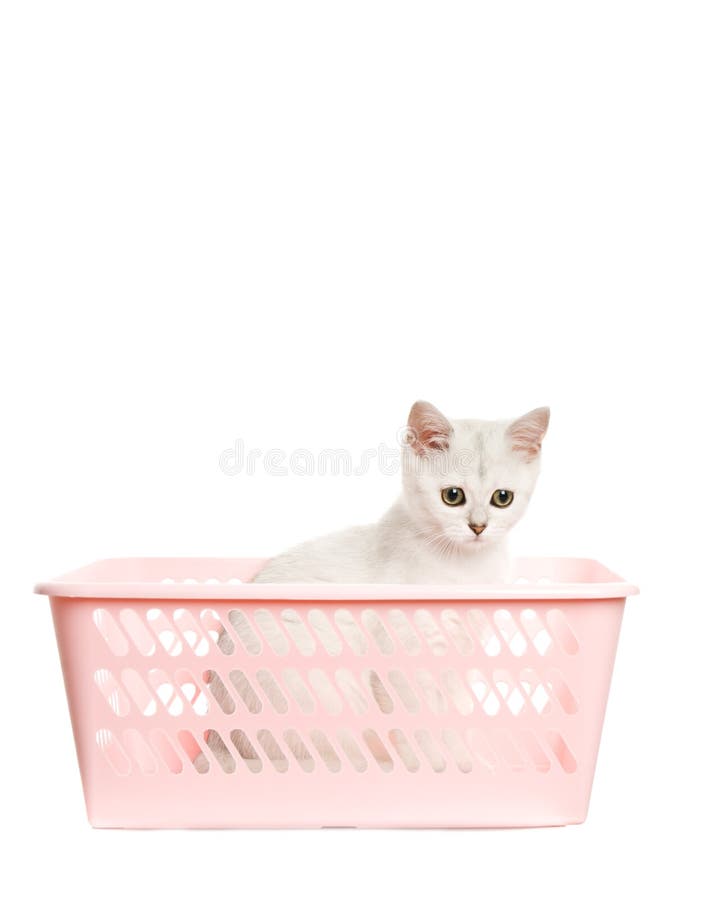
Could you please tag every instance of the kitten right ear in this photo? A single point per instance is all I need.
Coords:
(428, 429)
(527, 432)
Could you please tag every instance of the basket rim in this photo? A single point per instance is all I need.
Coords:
(87, 583)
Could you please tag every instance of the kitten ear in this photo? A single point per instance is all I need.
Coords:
(527, 432)
(429, 430)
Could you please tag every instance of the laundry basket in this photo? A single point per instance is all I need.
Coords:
(199, 700)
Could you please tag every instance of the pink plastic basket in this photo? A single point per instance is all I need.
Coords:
(335, 705)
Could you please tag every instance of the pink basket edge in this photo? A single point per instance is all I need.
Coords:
(82, 583)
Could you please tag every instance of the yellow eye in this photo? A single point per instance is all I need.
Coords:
(502, 498)
(453, 496)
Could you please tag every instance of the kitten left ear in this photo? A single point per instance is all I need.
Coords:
(527, 432)
(429, 430)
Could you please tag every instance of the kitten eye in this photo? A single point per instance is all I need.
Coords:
(502, 498)
(453, 496)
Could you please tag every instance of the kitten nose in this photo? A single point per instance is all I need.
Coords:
(478, 529)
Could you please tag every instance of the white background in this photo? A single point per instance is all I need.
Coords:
(283, 223)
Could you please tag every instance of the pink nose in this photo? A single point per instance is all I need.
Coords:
(478, 529)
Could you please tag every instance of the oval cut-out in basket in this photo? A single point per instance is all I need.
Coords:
(299, 750)
(324, 631)
(191, 633)
(561, 630)
(112, 691)
(325, 750)
(140, 693)
(247, 752)
(139, 634)
(219, 691)
(165, 632)
(219, 750)
(140, 751)
(113, 752)
(272, 633)
(245, 632)
(171, 759)
(404, 750)
(110, 632)
(428, 627)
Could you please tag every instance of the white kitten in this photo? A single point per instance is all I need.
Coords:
(466, 483)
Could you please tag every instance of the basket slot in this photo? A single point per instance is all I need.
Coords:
(272, 691)
(299, 691)
(219, 750)
(514, 699)
(379, 693)
(534, 751)
(110, 632)
(140, 751)
(562, 632)
(508, 751)
(170, 697)
(483, 693)
(350, 630)
(324, 631)
(246, 751)
(457, 749)
(560, 690)
(481, 750)
(432, 694)
(216, 631)
(193, 751)
(562, 752)
(113, 752)
(138, 632)
(140, 693)
(457, 692)
(510, 632)
(111, 690)
(246, 691)
(536, 631)
(191, 632)
(325, 750)
(404, 631)
(191, 690)
(325, 691)
(299, 750)
(245, 632)
(404, 750)
(379, 752)
(351, 690)
(436, 640)
(451, 621)
(165, 632)
(484, 632)
(535, 690)
(352, 750)
(272, 750)
(430, 750)
(298, 632)
(166, 751)
(219, 692)
(404, 691)
(375, 628)
(272, 633)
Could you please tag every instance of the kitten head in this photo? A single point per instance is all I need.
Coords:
(467, 482)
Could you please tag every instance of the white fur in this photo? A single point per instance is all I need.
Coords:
(421, 539)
